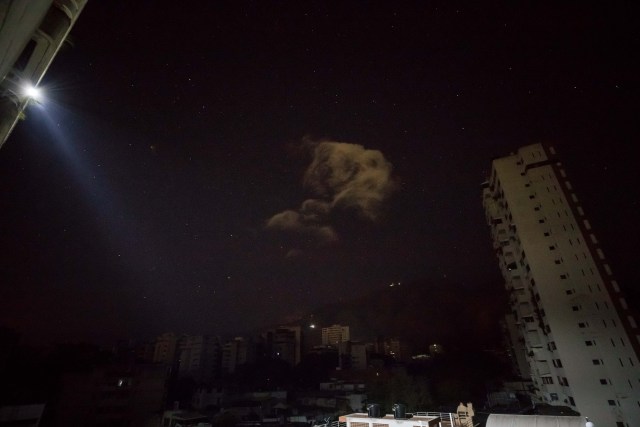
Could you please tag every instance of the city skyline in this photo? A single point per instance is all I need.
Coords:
(163, 182)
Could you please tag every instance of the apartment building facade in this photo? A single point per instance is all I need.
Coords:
(568, 313)
(335, 334)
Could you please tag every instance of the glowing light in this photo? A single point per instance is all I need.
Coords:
(33, 92)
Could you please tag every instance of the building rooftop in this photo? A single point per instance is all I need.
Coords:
(358, 420)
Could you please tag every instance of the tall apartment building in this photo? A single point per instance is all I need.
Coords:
(31, 34)
(352, 355)
(236, 352)
(582, 343)
(335, 334)
(392, 347)
(200, 357)
(166, 348)
(285, 343)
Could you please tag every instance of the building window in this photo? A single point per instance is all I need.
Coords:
(55, 23)
(611, 402)
(604, 381)
(25, 56)
(588, 343)
(547, 380)
(582, 325)
(575, 308)
(571, 401)
(615, 286)
(596, 362)
(563, 276)
(552, 248)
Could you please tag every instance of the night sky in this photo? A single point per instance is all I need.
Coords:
(219, 166)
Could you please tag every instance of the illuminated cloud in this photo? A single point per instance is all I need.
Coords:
(342, 177)
(301, 224)
(350, 176)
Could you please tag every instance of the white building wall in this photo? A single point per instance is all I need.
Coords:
(582, 346)
(335, 334)
(31, 34)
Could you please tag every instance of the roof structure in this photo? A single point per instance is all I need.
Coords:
(508, 420)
